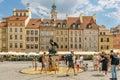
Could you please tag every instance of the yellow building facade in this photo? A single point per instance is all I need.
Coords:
(105, 39)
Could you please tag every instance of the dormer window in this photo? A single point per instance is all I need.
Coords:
(78, 25)
(73, 25)
(47, 24)
(64, 25)
(59, 25)
(24, 14)
(20, 14)
(52, 24)
(16, 14)
(41, 24)
(89, 26)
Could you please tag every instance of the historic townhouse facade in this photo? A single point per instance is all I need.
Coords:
(3, 36)
(32, 36)
(21, 33)
(105, 39)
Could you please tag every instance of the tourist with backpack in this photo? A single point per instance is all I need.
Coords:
(71, 63)
(114, 63)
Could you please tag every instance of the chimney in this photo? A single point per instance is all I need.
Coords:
(94, 17)
(42, 17)
(66, 17)
(81, 17)
(14, 11)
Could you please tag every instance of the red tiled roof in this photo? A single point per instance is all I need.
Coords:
(33, 24)
(19, 18)
(2, 24)
(21, 11)
(86, 20)
(72, 20)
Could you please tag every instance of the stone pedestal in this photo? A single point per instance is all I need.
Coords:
(54, 57)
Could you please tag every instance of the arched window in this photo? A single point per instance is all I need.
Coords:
(41, 24)
(89, 26)
(59, 25)
(73, 25)
(47, 24)
(78, 25)
(64, 25)
(52, 24)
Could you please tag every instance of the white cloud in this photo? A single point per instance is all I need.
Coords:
(113, 5)
(75, 7)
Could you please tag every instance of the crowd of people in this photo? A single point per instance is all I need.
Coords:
(102, 62)
(106, 61)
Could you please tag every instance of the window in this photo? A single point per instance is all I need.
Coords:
(59, 25)
(32, 38)
(61, 32)
(101, 39)
(32, 32)
(27, 38)
(21, 45)
(27, 46)
(64, 25)
(101, 47)
(89, 26)
(107, 39)
(32, 46)
(57, 39)
(15, 36)
(61, 46)
(11, 45)
(16, 45)
(36, 38)
(20, 14)
(79, 39)
(103, 33)
(71, 45)
(75, 39)
(79, 45)
(20, 37)
(10, 36)
(71, 39)
(66, 46)
(36, 46)
(78, 25)
(16, 14)
(100, 33)
(36, 32)
(107, 47)
(73, 25)
(20, 29)
(75, 46)
(24, 14)
(27, 32)
(41, 24)
(47, 24)
(10, 29)
(66, 39)
(15, 29)
(61, 39)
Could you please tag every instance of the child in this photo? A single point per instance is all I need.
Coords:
(77, 64)
(56, 65)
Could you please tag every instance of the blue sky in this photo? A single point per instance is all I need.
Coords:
(107, 11)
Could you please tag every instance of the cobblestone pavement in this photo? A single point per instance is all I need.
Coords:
(10, 71)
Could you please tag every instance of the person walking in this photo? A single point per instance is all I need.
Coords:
(43, 62)
(71, 63)
(104, 61)
(113, 66)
